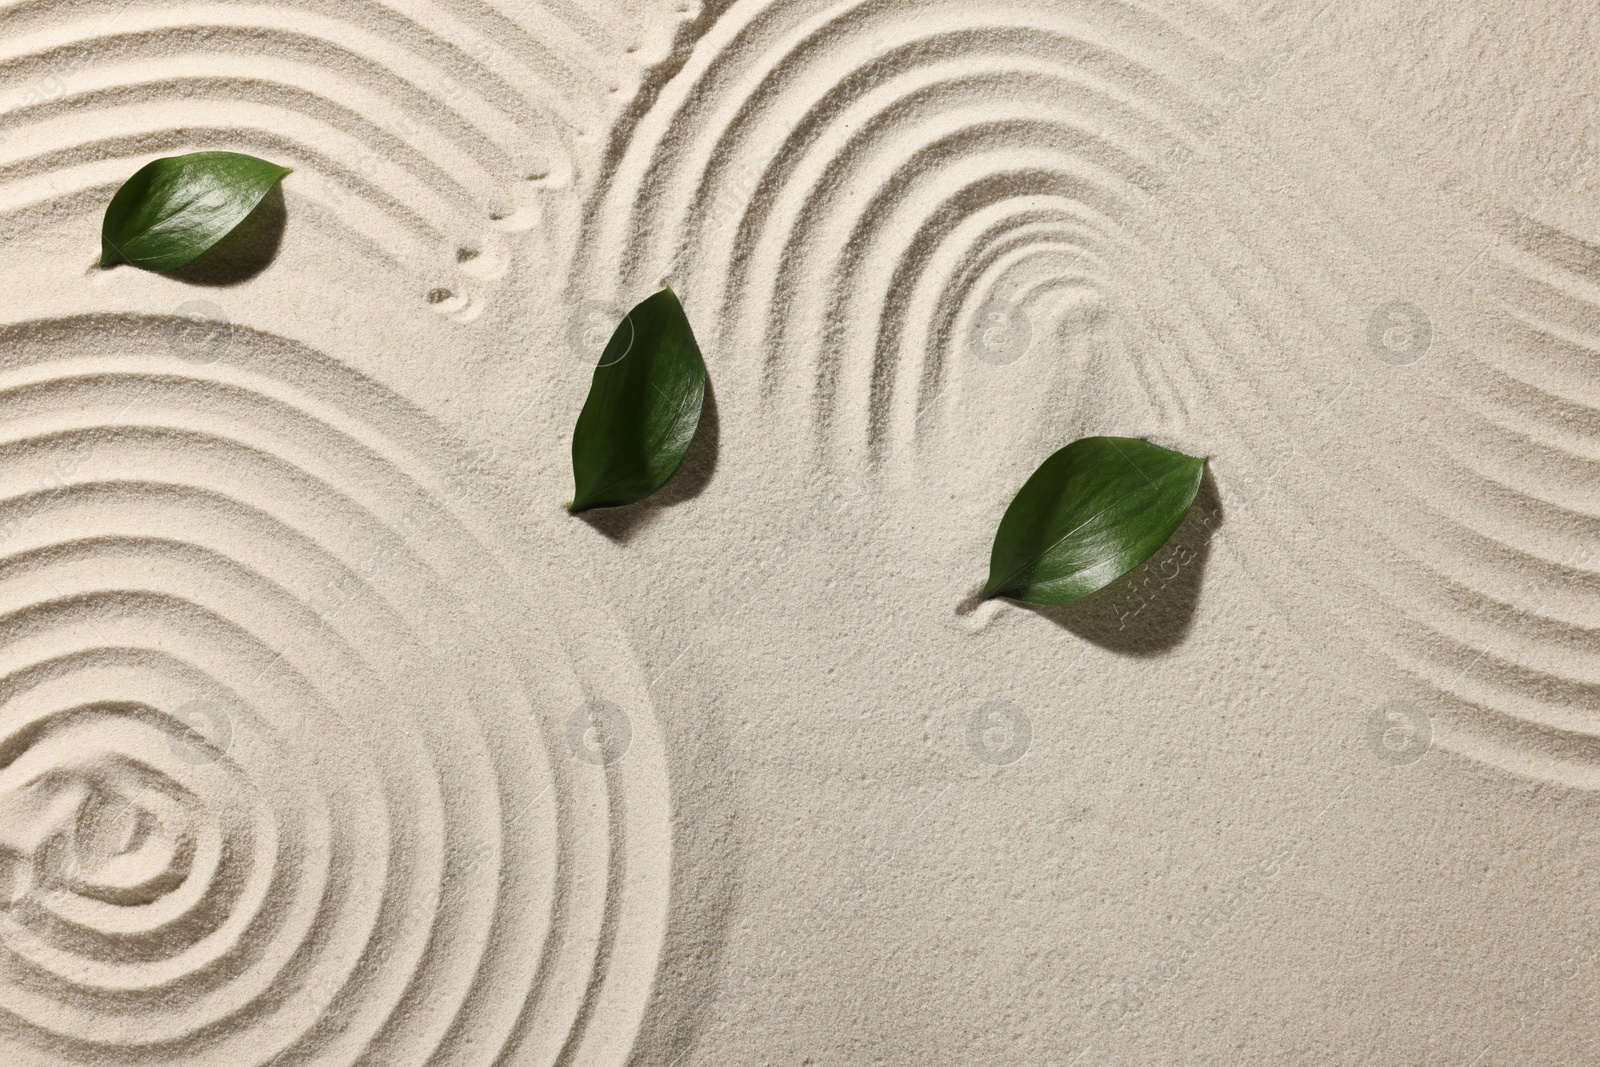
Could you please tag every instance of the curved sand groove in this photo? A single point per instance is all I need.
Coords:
(1452, 550)
(1443, 565)
(1525, 618)
(437, 134)
(875, 146)
(1473, 560)
(222, 588)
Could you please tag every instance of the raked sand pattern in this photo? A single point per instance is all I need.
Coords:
(326, 738)
(294, 772)
(881, 209)
(288, 762)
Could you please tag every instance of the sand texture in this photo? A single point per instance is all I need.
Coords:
(328, 738)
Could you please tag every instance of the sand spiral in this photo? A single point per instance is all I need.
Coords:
(288, 766)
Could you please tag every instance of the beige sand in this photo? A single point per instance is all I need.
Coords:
(326, 737)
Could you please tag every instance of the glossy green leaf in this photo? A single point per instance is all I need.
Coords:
(643, 407)
(1090, 514)
(175, 208)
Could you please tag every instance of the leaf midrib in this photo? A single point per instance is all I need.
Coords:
(1043, 552)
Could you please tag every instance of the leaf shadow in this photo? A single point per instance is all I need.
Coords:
(245, 252)
(1151, 609)
(623, 524)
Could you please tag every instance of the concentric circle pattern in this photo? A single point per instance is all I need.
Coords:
(284, 768)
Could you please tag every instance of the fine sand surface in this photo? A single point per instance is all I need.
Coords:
(328, 738)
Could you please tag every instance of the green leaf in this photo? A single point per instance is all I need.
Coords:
(643, 407)
(175, 208)
(1090, 514)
